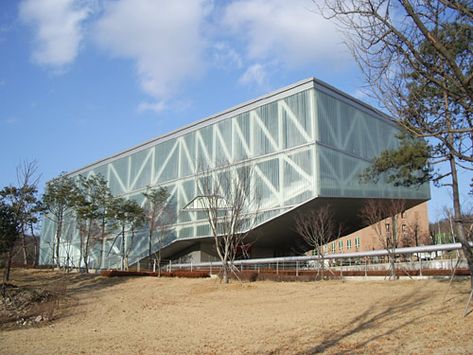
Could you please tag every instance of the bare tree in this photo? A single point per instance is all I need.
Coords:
(318, 227)
(449, 215)
(411, 233)
(27, 180)
(231, 204)
(165, 224)
(383, 217)
(392, 39)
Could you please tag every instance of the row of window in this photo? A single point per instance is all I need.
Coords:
(388, 227)
(348, 245)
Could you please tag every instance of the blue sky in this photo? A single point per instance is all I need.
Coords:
(83, 79)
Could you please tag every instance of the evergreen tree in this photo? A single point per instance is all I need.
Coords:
(156, 217)
(93, 210)
(9, 234)
(129, 216)
(24, 201)
(59, 201)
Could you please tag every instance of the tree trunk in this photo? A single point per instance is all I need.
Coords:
(158, 256)
(123, 249)
(23, 246)
(85, 256)
(53, 261)
(58, 240)
(128, 248)
(102, 244)
(86, 252)
(323, 265)
(6, 271)
(392, 254)
(81, 249)
(225, 265)
(225, 273)
(35, 255)
(150, 256)
(35, 242)
(458, 221)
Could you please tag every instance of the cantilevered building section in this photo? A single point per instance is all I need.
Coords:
(307, 145)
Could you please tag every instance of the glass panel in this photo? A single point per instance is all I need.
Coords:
(162, 152)
(299, 104)
(140, 170)
(119, 176)
(356, 138)
(266, 129)
(242, 137)
(170, 167)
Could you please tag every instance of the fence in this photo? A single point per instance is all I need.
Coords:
(431, 260)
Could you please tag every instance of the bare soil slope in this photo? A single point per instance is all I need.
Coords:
(179, 316)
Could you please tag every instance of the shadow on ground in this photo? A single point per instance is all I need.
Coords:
(378, 315)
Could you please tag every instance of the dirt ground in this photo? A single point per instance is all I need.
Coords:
(194, 316)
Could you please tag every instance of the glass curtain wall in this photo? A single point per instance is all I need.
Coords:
(276, 139)
(302, 145)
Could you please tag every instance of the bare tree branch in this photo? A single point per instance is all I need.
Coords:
(317, 227)
(230, 201)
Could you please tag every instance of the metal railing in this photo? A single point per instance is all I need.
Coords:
(411, 261)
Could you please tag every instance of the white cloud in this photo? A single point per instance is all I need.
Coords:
(58, 29)
(255, 74)
(163, 38)
(156, 107)
(289, 31)
(10, 121)
(169, 42)
(226, 57)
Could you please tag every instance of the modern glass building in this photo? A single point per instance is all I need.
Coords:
(306, 144)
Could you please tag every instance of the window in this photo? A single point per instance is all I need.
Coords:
(357, 242)
(388, 227)
(333, 247)
(348, 244)
(340, 245)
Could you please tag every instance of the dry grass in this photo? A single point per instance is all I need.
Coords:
(150, 315)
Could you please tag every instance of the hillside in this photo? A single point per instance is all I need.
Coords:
(151, 315)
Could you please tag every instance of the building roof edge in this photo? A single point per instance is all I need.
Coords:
(310, 82)
(203, 122)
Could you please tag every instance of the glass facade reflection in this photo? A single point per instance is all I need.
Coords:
(303, 142)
